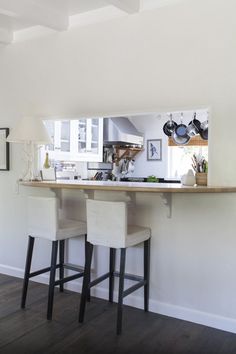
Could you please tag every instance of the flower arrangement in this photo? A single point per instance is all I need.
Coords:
(200, 165)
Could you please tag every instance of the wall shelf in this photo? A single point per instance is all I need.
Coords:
(124, 152)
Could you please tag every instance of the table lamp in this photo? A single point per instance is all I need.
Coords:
(29, 131)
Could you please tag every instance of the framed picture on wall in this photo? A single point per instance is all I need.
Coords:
(4, 150)
(154, 149)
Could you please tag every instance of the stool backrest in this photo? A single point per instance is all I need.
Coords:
(43, 217)
(106, 223)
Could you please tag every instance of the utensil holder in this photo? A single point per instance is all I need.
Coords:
(201, 179)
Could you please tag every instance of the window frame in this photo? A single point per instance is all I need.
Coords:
(195, 141)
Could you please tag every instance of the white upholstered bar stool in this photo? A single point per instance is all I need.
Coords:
(44, 222)
(107, 226)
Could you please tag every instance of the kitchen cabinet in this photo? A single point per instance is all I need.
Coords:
(75, 140)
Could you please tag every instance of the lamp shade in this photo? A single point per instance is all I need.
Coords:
(30, 130)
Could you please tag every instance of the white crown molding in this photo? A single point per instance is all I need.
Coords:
(129, 6)
(35, 13)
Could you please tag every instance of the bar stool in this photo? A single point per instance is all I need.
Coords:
(44, 222)
(107, 226)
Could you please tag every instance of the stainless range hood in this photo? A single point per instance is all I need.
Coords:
(120, 131)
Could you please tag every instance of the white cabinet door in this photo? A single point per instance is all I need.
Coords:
(90, 139)
(76, 140)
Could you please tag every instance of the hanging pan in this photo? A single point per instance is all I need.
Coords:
(169, 126)
(194, 126)
(180, 135)
(180, 140)
(204, 130)
(181, 129)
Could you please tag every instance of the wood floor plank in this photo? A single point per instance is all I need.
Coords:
(18, 324)
(10, 296)
(39, 340)
(28, 332)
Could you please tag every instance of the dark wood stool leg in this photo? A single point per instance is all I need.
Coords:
(86, 244)
(146, 263)
(61, 262)
(52, 279)
(111, 271)
(121, 289)
(86, 281)
(27, 270)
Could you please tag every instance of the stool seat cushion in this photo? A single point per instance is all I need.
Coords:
(66, 229)
(136, 234)
(44, 220)
(108, 225)
(70, 228)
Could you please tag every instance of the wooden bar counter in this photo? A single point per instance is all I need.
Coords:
(128, 186)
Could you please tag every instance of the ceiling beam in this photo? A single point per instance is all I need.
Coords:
(129, 6)
(35, 13)
(6, 36)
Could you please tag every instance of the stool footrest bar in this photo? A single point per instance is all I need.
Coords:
(73, 267)
(99, 280)
(65, 280)
(129, 276)
(134, 288)
(41, 271)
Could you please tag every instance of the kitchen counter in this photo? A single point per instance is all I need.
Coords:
(129, 186)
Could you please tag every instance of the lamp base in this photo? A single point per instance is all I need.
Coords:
(29, 161)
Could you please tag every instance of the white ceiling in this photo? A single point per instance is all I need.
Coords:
(16, 15)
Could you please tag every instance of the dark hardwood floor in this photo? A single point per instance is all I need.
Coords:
(27, 331)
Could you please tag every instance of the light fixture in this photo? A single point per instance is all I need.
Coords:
(31, 132)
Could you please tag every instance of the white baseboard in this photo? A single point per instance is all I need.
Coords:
(13, 271)
(162, 308)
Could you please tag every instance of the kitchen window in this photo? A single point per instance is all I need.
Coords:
(180, 157)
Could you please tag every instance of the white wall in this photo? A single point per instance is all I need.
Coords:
(151, 127)
(182, 56)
